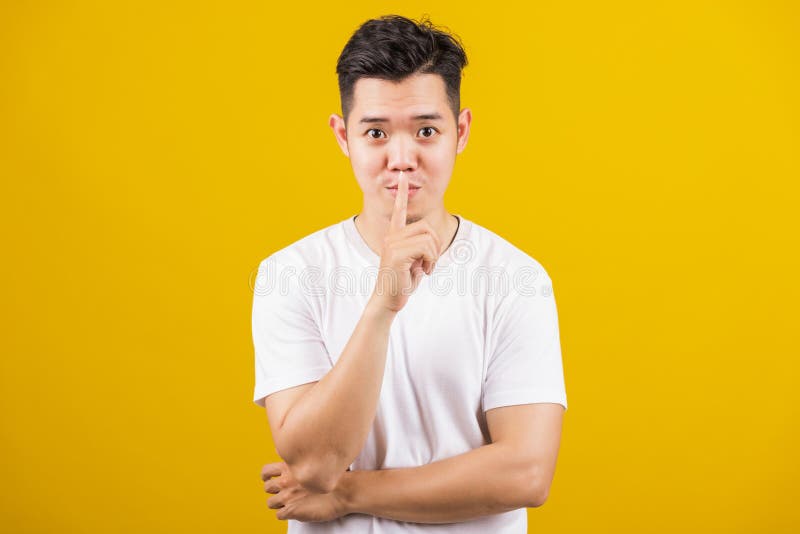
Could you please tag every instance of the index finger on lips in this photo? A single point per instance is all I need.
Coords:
(400, 204)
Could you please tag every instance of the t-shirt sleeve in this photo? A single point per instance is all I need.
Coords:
(525, 363)
(289, 349)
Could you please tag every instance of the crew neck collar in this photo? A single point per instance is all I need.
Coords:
(355, 239)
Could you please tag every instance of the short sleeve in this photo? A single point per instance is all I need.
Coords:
(525, 362)
(289, 349)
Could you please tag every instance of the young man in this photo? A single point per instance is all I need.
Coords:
(408, 359)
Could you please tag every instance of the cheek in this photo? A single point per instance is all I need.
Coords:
(441, 161)
(367, 167)
(363, 158)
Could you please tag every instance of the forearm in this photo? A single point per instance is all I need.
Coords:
(488, 480)
(326, 428)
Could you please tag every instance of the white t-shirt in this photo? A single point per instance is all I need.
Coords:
(478, 333)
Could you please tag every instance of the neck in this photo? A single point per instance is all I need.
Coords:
(374, 227)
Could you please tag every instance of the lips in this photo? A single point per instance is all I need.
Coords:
(411, 185)
(412, 191)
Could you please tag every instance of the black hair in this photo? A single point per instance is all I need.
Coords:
(392, 48)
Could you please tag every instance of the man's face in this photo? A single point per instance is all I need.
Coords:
(405, 126)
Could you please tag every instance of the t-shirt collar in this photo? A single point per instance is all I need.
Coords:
(459, 241)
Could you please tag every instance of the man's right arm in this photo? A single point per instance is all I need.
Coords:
(320, 428)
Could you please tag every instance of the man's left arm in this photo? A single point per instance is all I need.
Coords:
(514, 471)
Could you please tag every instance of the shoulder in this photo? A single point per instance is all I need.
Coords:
(315, 249)
(494, 251)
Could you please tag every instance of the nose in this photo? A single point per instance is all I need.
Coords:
(401, 154)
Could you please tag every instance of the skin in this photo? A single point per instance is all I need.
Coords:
(335, 414)
(424, 149)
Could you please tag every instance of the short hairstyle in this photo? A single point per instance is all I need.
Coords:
(393, 48)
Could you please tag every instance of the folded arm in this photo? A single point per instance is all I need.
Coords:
(514, 471)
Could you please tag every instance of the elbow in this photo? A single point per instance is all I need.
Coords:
(537, 497)
(536, 490)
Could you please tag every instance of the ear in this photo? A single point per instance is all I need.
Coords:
(464, 120)
(337, 124)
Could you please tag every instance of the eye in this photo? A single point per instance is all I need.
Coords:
(427, 131)
(371, 132)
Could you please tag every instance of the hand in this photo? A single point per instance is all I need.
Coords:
(293, 501)
(408, 252)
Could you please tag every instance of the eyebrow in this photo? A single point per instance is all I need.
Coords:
(422, 117)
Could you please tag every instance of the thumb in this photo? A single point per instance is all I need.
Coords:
(418, 273)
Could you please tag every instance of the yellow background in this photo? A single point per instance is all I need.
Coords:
(152, 153)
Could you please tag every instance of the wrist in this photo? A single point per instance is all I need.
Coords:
(377, 311)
